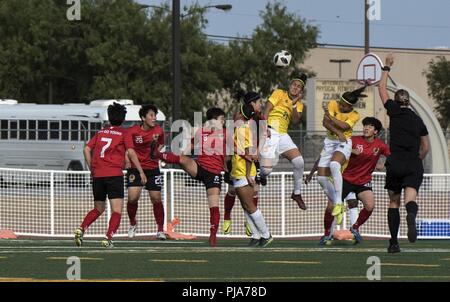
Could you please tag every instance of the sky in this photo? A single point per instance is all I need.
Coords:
(402, 24)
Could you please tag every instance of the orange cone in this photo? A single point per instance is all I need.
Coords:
(176, 236)
(342, 235)
(7, 234)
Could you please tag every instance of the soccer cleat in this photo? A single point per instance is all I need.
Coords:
(248, 230)
(253, 242)
(107, 243)
(356, 235)
(161, 235)
(393, 248)
(226, 228)
(79, 233)
(132, 231)
(212, 240)
(412, 230)
(265, 242)
(325, 240)
(338, 213)
(154, 152)
(298, 198)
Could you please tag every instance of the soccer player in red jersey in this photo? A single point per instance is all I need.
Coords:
(142, 136)
(105, 157)
(209, 164)
(357, 176)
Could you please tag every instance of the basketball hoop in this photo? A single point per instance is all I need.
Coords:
(369, 69)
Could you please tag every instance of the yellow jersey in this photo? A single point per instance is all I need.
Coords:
(351, 118)
(281, 114)
(242, 140)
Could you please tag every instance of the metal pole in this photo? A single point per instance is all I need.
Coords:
(176, 65)
(366, 27)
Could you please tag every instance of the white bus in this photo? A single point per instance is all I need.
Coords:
(52, 137)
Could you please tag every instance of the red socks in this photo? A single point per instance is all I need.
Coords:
(132, 209)
(90, 218)
(228, 205)
(114, 223)
(363, 216)
(170, 158)
(327, 221)
(214, 218)
(158, 212)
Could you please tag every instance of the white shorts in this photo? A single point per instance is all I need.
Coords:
(350, 196)
(276, 144)
(241, 182)
(330, 146)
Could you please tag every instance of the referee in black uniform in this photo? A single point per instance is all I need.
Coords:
(404, 169)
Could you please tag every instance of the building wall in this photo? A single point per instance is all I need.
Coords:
(408, 68)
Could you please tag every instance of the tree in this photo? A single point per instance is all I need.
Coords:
(119, 50)
(249, 62)
(438, 79)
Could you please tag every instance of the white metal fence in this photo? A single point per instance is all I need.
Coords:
(53, 204)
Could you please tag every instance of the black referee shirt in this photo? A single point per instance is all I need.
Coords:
(405, 130)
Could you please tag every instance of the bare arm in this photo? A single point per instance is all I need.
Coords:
(248, 167)
(382, 87)
(127, 161)
(87, 156)
(313, 170)
(296, 116)
(267, 109)
(330, 126)
(339, 124)
(424, 146)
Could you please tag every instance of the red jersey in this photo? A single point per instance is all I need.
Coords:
(212, 149)
(360, 167)
(108, 151)
(142, 140)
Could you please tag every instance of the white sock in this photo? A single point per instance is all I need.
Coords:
(255, 231)
(327, 186)
(260, 223)
(335, 169)
(353, 213)
(299, 168)
(333, 226)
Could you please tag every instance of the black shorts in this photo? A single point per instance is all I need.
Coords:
(349, 187)
(155, 180)
(107, 186)
(402, 173)
(210, 180)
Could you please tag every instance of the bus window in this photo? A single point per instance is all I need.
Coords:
(65, 130)
(54, 130)
(13, 129)
(94, 127)
(22, 129)
(42, 130)
(74, 130)
(31, 130)
(4, 131)
(84, 130)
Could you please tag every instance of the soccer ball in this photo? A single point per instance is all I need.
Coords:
(282, 58)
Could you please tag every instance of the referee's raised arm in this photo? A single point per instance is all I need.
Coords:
(382, 87)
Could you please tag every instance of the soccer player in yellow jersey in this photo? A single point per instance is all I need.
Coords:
(339, 119)
(243, 175)
(282, 108)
